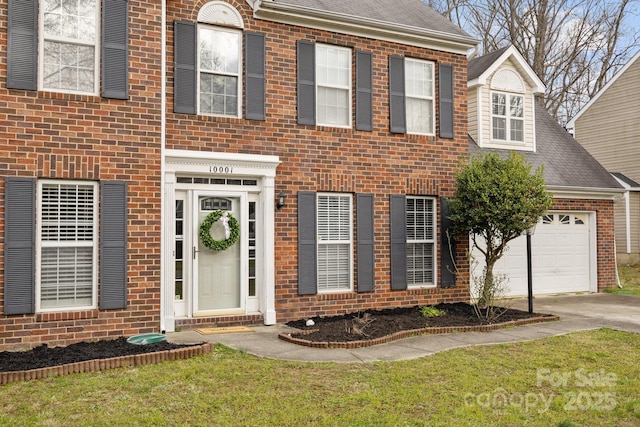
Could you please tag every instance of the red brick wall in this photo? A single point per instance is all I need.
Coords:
(53, 135)
(316, 158)
(604, 235)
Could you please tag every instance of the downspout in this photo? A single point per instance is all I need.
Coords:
(163, 118)
(627, 219)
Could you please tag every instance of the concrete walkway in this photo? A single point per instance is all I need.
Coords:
(577, 313)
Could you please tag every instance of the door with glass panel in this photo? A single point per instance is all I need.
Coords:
(217, 273)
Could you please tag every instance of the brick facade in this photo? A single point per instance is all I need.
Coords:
(46, 135)
(64, 136)
(326, 159)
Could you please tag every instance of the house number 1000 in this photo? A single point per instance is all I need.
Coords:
(221, 169)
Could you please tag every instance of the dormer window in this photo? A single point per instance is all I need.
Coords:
(507, 117)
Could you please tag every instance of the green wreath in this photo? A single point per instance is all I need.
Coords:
(205, 231)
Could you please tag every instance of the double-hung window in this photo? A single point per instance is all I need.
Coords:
(507, 117)
(333, 85)
(335, 242)
(69, 45)
(67, 241)
(419, 96)
(421, 235)
(220, 59)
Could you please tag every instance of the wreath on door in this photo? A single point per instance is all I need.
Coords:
(231, 228)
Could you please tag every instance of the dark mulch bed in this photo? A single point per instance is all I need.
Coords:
(389, 321)
(44, 356)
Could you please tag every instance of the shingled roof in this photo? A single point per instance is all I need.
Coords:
(412, 13)
(566, 162)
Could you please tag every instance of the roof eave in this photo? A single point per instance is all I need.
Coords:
(565, 192)
(365, 27)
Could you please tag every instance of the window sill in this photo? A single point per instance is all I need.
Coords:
(423, 290)
(66, 315)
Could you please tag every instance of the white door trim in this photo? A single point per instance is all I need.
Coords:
(228, 165)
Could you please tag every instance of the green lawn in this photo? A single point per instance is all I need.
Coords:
(582, 379)
(629, 279)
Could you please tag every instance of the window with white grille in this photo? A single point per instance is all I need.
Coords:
(69, 45)
(419, 90)
(67, 242)
(334, 227)
(421, 251)
(333, 68)
(507, 117)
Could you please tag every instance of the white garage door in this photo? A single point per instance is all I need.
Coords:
(562, 253)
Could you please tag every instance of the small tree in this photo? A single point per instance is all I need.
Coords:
(496, 200)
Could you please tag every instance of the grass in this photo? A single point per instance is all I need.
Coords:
(629, 279)
(588, 379)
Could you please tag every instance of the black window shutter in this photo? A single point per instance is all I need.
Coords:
(364, 210)
(184, 76)
(115, 49)
(397, 117)
(19, 245)
(22, 45)
(255, 78)
(307, 244)
(306, 83)
(446, 100)
(398, 242)
(364, 91)
(113, 244)
(447, 246)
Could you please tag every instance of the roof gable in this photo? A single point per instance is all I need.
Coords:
(480, 69)
(572, 123)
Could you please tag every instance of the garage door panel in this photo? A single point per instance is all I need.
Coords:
(561, 257)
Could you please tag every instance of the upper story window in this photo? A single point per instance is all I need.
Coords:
(419, 94)
(507, 117)
(220, 65)
(69, 45)
(333, 85)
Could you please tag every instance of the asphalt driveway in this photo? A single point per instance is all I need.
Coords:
(605, 310)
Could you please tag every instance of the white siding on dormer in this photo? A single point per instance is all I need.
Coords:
(506, 79)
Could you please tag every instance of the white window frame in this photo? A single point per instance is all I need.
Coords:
(336, 86)
(238, 75)
(426, 241)
(349, 242)
(40, 244)
(413, 95)
(41, 54)
(508, 117)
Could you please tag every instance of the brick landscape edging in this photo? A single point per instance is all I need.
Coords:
(96, 365)
(410, 332)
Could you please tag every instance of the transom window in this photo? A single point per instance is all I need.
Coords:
(421, 242)
(507, 115)
(220, 59)
(334, 227)
(333, 77)
(419, 92)
(68, 45)
(67, 242)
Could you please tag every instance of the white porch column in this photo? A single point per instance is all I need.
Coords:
(167, 318)
(268, 237)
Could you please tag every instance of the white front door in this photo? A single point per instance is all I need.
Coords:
(217, 274)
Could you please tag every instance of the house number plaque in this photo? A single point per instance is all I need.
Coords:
(220, 169)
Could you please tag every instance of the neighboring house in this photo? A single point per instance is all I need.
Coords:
(572, 245)
(609, 128)
(329, 130)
